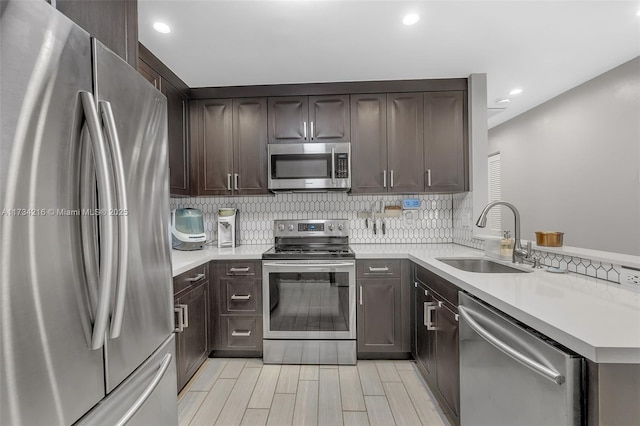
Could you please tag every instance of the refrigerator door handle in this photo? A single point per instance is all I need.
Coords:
(121, 213)
(503, 347)
(147, 392)
(106, 198)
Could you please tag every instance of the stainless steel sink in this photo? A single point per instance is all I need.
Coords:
(481, 265)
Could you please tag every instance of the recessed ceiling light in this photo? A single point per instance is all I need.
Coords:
(161, 27)
(503, 100)
(515, 91)
(410, 19)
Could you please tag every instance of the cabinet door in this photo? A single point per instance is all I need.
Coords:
(215, 147)
(113, 22)
(250, 146)
(425, 333)
(448, 369)
(445, 144)
(194, 349)
(405, 142)
(289, 119)
(149, 73)
(178, 141)
(368, 143)
(379, 318)
(329, 118)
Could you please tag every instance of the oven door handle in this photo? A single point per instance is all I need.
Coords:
(313, 265)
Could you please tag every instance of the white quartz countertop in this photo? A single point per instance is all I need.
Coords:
(599, 321)
(182, 261)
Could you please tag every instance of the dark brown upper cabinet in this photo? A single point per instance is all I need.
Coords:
(445, 142)
(232, 146)
(368, 143)
(299, 119)
(405, 142)
(176, 92)
(387, 143)
(113, 22)
(179, 179)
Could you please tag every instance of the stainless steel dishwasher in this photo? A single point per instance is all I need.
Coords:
(512, 375)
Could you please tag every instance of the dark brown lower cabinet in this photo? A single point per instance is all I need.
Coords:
(435, 346)
(192, 322)
(382, 307)
(236, 297)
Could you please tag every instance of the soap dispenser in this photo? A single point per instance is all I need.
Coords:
(506, 245)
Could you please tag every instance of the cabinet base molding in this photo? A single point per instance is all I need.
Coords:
(235, 354)
(385, 355)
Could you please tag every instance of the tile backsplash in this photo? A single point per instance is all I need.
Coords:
(432, 223)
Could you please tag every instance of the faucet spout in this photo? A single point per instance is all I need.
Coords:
(518, 252)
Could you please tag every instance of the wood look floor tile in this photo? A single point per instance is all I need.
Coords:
(214, 402)
(288, 379)
(404, 365)
(379, 411)
(355, 418)
(350, 389)
(422, 401)
(209, 374)
(329, 399)
(188, 406)
(309, 372)
(369, 378)
(281, 413)
(238, 399)
(255, 417)
(305, 412)
(265, 387)
(401, 405)
(232, 369)
(387, 371)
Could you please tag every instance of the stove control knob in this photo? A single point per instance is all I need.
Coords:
(281, 227)
(340, 227)
(331, 227)
(291, 228)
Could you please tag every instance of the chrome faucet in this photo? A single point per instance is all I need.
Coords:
(519, 254)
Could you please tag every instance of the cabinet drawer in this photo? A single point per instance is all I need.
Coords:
(235, 269)
(241, 295)
(242, 333)
(190, 278)
(384, 268)
(441, 286)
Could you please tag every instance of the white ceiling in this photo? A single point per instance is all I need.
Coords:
(543, 47)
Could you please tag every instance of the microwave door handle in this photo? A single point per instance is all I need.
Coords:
(333, 165)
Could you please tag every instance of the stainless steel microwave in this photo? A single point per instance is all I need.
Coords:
(310, 167)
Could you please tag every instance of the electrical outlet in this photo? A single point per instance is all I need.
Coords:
(630, 276)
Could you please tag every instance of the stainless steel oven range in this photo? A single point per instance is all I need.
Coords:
(309, 301)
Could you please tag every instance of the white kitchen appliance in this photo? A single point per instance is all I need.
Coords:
(228, 227)
(187, 229)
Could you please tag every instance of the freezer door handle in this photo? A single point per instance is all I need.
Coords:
(523, 359)
(166, 362)
(107, 200)
(121, 213)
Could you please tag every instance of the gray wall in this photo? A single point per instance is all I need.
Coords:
(572, 164)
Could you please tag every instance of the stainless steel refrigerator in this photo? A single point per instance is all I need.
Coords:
(85, 292)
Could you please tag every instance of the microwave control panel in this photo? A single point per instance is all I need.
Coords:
(342, 165)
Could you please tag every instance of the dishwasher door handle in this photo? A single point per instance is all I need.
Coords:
(523, 359)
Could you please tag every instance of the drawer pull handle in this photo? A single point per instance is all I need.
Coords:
(241, 333)
(241, 297)
(234, 270)
(196, 278)
(383, 269)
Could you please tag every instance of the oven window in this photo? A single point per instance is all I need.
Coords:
(311, 301)
(294, 166)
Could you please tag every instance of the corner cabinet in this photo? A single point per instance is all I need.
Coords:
(382, 307)
(179, 150)
(435, 346)
(231, 140)
(299, 119)
(192, 321)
